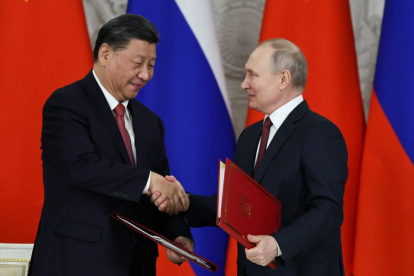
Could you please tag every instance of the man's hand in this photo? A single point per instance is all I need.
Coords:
(172, 197)
(265, 250)
(184, 242)
(161, 200)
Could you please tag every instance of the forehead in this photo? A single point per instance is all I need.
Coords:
(140, 48)
(259, 58)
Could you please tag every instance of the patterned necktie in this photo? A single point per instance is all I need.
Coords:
(120, 121)
(263, 141)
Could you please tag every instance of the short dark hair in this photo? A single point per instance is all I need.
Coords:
(119, 31)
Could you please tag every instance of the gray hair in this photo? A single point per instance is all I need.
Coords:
(288, 56)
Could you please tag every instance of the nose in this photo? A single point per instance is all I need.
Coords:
(244, 84)
(144, 74)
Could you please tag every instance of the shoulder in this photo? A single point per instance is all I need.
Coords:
(67, 95)
(321, 136)
(317, 123)
(251, 129)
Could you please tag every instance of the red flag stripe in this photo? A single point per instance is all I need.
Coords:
(45, 45)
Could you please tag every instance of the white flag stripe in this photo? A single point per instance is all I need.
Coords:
(199, 16)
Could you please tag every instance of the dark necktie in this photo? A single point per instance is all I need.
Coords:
(263, 141)
(120, 121)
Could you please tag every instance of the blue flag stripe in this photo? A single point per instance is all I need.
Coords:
(394, 76)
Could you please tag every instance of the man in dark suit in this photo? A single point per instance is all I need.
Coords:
(298, 156)
(102, 152)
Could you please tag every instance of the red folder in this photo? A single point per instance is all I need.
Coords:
(244, 206)
(166, 242)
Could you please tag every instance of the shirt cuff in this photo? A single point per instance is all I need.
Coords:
(279, 252)
(147, 186)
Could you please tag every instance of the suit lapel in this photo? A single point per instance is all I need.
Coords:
(139, 127)
(282, 134)
(100, 106)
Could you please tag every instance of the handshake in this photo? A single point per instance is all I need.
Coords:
(168, 194)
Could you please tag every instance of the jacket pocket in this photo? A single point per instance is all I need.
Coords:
(79, 231)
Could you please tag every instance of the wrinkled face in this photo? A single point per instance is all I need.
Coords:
(261, 85)
(127, 70)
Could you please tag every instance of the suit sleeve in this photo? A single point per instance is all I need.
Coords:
(324, 169)
(68, 148)
(202, 211)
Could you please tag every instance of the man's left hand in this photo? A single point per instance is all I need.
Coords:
(184, 242)
(265, 250)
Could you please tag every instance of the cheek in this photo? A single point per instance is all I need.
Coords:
(253, 86)
(151, 74)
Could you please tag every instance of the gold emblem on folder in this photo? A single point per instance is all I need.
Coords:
(245, 207)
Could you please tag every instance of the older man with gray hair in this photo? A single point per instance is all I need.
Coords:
(298, 156)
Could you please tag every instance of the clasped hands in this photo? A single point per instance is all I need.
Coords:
(168, 194)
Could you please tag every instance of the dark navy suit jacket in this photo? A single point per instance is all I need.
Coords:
(305, 167)
(87, 176)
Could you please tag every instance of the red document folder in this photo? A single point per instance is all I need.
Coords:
(166, 243)
(244, 206)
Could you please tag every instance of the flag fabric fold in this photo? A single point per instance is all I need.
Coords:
(188, 93)
(45, 45)
(323, 31)
(385, 206)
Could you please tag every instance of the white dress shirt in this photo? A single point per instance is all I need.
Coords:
(112, 102)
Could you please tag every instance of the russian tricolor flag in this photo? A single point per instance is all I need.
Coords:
(385, 224)
(188, 92)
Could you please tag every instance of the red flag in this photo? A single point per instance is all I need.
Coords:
(45, 45)
(385, 225)
(323, 31)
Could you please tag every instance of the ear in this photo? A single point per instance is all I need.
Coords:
(285, 78)
(104, 54)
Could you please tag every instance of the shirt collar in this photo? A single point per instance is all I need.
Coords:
(112, 102)
(279, 115)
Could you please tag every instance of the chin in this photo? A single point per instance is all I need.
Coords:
(132, 95)
(252, 105)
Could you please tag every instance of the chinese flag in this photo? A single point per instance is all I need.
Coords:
(385, 224)
(323, 31)
(45, 45)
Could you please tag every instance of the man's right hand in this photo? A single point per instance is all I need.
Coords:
(170, 195)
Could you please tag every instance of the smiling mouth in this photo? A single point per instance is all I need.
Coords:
(137, 85)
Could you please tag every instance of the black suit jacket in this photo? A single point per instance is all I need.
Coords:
(87, 176)
(305, 167)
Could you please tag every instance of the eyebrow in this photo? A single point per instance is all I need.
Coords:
(251, 71)
(145, 57)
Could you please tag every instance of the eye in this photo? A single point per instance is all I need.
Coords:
(250, 73)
